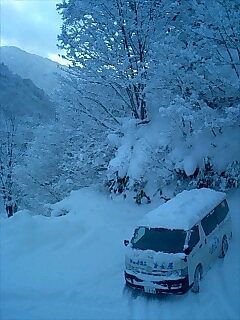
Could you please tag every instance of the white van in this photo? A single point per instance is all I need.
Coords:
(175, 244)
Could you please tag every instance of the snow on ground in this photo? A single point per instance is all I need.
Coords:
(71, 267)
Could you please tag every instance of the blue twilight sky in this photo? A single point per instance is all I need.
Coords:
(32, 25)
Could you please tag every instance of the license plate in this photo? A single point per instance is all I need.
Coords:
(150, 290)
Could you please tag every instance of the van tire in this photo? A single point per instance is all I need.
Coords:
(224, 247)
(197, 279)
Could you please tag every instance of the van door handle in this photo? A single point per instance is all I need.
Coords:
(200, 245)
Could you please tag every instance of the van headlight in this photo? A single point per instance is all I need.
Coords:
(183, 272)
(178, 272)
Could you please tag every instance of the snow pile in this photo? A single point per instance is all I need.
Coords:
(184, 210)
(71, 267)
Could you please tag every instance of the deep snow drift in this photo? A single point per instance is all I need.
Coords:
(71, 267)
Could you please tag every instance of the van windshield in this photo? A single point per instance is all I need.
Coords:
(159, 239)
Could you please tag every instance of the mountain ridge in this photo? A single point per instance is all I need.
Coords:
(22, 97)
(43, 72)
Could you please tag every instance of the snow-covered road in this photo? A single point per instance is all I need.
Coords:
(71, 267)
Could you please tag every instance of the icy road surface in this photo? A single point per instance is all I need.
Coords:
(71, 267)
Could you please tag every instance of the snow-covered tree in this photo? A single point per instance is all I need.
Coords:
(109, 45)
(15, 136)
(199, 53)
(175, 66)
(7, 164)
(23, 107)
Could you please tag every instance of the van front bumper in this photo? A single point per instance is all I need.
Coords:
(176, 286)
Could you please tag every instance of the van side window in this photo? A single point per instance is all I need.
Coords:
(194, 237)
(221, 211)
(209, 222)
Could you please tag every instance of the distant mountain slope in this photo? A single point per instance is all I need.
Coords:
(42, 71)
(21, 96)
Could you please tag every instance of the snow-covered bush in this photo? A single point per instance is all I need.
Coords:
(187, 145)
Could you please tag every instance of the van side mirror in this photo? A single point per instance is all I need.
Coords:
(126, 242)
(187, 250)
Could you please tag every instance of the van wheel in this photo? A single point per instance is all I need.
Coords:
(224, 247)
(197, 279)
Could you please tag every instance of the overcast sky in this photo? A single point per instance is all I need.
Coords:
(32, 25)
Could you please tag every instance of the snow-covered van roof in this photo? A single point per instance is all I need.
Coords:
(184, 210)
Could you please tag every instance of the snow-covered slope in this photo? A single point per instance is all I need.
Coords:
(21, 97)
(71, 267)
(42, 71)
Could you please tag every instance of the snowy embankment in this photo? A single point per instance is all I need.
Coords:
(71, 267)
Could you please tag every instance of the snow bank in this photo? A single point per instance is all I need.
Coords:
(184, 210)
(71, 267)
